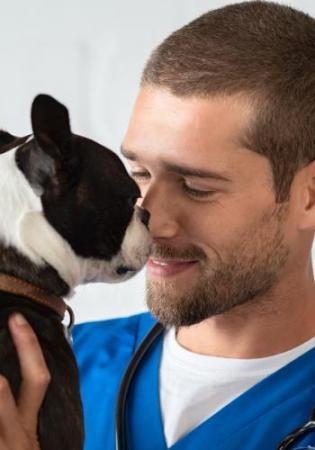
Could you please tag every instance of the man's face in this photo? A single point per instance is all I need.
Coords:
(218, 234)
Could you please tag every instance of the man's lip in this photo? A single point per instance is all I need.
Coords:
(168, 267)
(165, 262)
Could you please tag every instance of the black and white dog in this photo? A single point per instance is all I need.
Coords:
(68, 216)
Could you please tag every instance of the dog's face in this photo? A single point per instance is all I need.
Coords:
(71, 202)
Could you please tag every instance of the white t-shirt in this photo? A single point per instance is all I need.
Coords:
(193, 387)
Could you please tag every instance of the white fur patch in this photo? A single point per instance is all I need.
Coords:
(136, 244)
(16, 199)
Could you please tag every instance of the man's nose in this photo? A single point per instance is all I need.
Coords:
(163, 212)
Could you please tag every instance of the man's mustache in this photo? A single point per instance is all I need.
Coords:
(162, 251)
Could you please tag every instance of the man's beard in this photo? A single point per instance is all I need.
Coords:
(249, 271)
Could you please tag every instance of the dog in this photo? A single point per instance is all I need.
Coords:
(68, 216)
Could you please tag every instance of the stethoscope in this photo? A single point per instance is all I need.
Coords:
(121, 441)
(121, 437)
(293, 438)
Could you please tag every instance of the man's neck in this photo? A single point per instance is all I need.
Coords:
(263, 327)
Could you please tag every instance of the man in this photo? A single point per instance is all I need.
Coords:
(222, 145)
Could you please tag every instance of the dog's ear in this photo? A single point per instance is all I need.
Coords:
(50, 122)
(6, 138)
(48, 161)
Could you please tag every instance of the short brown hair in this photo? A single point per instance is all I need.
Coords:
(263, 50)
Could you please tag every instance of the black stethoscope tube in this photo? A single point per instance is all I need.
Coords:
(292, 438)
(121, 443)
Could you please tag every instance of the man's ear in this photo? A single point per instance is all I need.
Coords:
(48, 161)
(307, 218)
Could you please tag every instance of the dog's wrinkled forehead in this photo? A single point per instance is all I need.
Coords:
(100, 168)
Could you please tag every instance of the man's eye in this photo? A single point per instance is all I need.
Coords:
(140, 174)
(197, 192)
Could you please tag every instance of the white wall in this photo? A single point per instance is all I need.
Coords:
(89, 54)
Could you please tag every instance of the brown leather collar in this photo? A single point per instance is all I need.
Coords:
(17, 286)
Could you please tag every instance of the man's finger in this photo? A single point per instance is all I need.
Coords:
(10, 428)
(35, 374)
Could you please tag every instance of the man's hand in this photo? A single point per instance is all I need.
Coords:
(18, 421)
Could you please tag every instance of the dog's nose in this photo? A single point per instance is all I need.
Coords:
(144, 216)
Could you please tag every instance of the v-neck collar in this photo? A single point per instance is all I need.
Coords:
(143, 413)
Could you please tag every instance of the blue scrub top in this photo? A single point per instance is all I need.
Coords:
(257, 420)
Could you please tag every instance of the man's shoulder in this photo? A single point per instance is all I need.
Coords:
(121, 331)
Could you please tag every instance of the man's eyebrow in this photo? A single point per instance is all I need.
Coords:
(179, 169)
(194, 172)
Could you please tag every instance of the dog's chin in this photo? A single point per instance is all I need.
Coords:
(120, 268)
(124, 273)
(113, 275)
